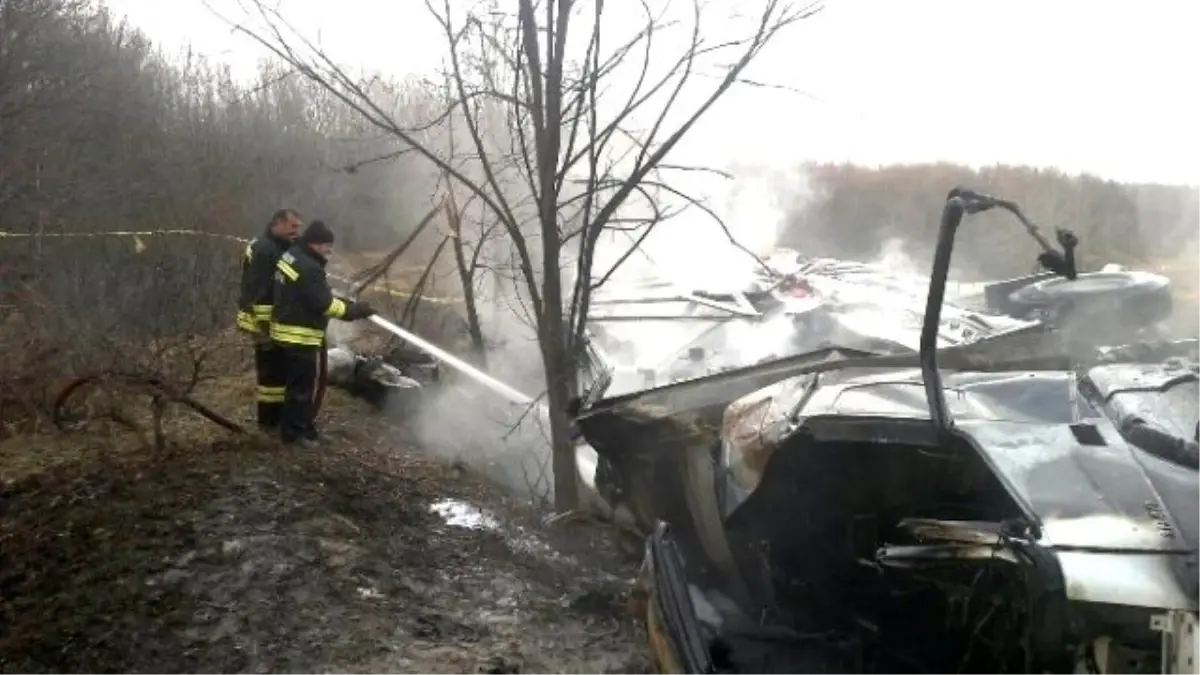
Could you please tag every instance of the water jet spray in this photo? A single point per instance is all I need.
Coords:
(453, 361)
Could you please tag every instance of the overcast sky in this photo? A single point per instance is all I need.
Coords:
(1102, 87)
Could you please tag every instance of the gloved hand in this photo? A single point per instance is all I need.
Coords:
(357, 311)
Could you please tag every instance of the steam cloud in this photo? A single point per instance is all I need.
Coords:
(510, 443)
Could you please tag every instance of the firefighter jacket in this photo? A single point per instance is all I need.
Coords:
(258, 269)
(303, 301)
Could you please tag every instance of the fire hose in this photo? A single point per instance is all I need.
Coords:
(453, 361)
(322, 378)
(151, 384)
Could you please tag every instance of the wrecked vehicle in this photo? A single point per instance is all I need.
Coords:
(395, 381)
(1019, 499)
(656, 333)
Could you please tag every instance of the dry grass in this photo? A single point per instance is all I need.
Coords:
(229, 553)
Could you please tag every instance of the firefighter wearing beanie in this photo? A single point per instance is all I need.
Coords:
(303, 304)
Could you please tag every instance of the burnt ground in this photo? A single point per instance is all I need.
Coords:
(223, 553)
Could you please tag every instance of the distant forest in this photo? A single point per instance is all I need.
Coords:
(101, 131)
(854, 211)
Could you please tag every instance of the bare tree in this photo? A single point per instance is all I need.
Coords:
(570, 157)
(467, 261)
(102, 132)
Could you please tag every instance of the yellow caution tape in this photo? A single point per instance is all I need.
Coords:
(139, 245)
(135, 234)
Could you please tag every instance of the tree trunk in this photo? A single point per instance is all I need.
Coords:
(560, 387)
(466, 276)
(474, 329)
(566, 486)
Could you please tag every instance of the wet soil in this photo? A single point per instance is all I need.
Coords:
(233, 554)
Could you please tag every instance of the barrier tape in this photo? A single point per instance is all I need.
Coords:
(139, 246)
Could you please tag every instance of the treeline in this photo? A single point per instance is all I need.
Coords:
(857, 212)
(101, 131)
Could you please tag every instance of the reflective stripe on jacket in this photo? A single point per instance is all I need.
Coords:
(303, 301)
(258, 268)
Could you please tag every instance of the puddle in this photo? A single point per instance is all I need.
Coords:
(524, 542)
(368, 593)
(458, 513)
(461, 514)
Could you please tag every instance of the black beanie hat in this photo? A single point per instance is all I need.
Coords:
(317, 232)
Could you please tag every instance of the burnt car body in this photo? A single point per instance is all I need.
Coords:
(1018, 499)
(800, 305)
(395, 381)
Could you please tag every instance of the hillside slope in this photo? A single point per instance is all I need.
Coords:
(232, 554)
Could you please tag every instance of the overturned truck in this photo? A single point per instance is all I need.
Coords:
(999, 490)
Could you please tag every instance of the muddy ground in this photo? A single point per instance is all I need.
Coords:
(232, 554)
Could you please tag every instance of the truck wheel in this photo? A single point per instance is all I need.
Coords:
(1118, 286)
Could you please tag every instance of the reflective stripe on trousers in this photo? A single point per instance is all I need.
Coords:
(270, 394)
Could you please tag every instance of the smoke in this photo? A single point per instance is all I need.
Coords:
(465, 423)
(894, 255)
(692, 248)
(342, 333)
(510, 443)
(694, 251)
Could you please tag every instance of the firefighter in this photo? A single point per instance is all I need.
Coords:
(254, 312)
(303, 306)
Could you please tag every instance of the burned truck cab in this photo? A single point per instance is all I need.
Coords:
(1034, 537)
(1013, 504)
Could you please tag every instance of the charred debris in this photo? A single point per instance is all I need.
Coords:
(1022, 501)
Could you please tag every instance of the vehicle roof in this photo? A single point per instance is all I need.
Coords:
(1022, 396)
(650, 327)
(1089, 488)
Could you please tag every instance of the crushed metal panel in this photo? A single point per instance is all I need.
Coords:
(1024, 396)
(911, 555)
(1180, 641)
(744, 445)
(1064, 481)
(722, 388)
(1163, 395)
(1123, 579)
(1148, 532)
(961, 531)
(1120, 377)
(750, 428)
(1005, 352)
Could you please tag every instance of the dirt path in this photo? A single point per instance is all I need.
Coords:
(240, 556)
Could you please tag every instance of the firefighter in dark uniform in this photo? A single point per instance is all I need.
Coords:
(303, 306)
(254, 311)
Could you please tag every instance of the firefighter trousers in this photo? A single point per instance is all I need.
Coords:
(269, 368)
(300, 382)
